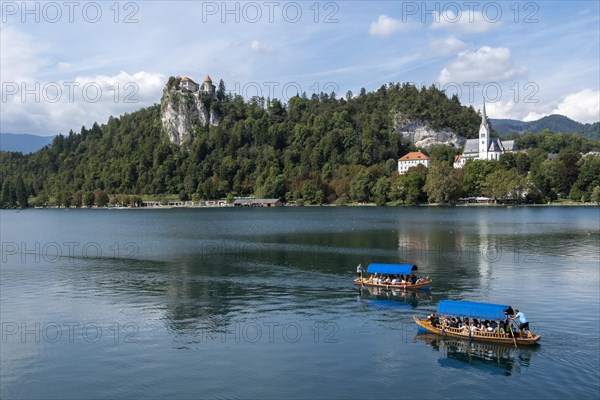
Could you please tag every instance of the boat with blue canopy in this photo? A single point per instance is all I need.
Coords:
(393, 276)
(475, 321)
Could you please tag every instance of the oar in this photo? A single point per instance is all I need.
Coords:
(511, 332)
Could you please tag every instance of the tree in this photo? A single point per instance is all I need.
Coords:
(21, 192)
(400, 189)
(443, 184)
(381, 190)
(221, 95)
(100, 198)
(474, 174)
(587, 179)
(595, 197)
(443, 153)
(360, 188)
(88, 199)
(506, 185)
(77, 199)
(65, 198)
(570, 159)
(8, 198)
(408, 188)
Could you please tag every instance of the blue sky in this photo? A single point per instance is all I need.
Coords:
(68, 64)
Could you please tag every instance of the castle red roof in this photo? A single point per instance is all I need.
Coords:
(186, 79)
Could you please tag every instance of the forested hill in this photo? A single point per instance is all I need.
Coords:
(310, 148)
(554, 123)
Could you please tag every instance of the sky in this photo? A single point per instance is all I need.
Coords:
(68, 64)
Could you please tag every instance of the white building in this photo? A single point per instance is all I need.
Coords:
(412, 159)
(484, 147)
(189, 84)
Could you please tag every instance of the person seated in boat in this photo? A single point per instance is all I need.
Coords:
(433, 319)
(499, 328)
(506, 327)
(475, 327)
(387, 279)
(465, 326)
(413, 279)
(523, 324)
(454, 323)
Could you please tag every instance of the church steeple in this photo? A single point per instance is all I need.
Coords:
(484, 135)
(483, 116)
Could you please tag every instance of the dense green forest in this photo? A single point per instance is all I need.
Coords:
(316, 150)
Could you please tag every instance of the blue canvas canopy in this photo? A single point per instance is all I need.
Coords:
(391, 268)
(472, 310)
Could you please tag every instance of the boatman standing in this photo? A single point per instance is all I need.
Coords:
(359, 271)
(523, 324)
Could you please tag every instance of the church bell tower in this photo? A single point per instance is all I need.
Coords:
(484, 136)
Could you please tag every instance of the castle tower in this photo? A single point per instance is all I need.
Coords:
(484, 136)
(208, 87)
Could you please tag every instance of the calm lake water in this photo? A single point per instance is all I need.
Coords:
(259, 303)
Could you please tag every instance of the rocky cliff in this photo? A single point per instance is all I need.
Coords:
(421, 134)
(181, 112)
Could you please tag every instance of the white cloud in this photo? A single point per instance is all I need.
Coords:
(582, 106)
(260, 47)
(534, 116)
(465, 22)
(446, 46)
(502, 110)
(386, 26)
(485, 65)
(22, 55)
(55, 107)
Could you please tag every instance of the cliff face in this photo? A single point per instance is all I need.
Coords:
(421, 134)
(181, 112)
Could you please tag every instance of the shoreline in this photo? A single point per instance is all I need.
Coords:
(169, 207)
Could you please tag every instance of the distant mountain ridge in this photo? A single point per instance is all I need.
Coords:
(23, 143)
(555, 123)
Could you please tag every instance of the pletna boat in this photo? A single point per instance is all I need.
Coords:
(483, 311)
(387, 276)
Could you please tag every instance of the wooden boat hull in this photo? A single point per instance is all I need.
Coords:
(423, 285)
(479, 336)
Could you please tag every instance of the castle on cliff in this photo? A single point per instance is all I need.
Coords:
(206, 88)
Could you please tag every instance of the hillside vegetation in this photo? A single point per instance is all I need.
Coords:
(321, 149)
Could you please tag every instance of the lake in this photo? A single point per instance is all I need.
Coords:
(259, 303)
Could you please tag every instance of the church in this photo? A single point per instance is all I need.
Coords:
(484, 147)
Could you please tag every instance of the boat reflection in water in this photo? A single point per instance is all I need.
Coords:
(489, 357)
(411, 297)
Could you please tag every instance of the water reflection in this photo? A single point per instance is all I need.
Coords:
(411, 297)
(487, 357)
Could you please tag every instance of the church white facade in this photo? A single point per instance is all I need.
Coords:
(484, 147)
